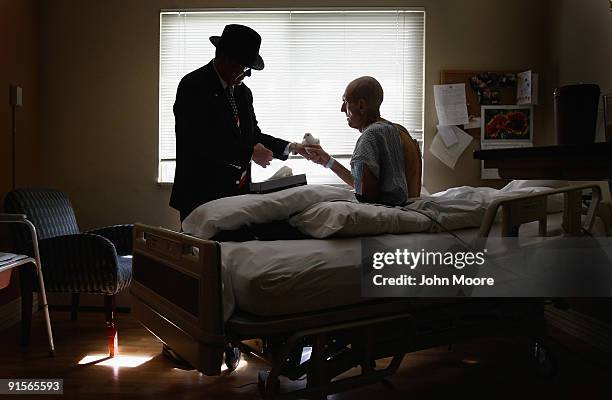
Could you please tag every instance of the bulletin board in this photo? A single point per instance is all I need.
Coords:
(507, 94)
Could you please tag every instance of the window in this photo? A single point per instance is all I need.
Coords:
(310, 57)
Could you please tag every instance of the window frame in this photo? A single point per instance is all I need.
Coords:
(340, 157)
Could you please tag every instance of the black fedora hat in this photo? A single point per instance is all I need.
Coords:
(240, 43)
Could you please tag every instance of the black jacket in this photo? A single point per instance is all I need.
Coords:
(211, 151)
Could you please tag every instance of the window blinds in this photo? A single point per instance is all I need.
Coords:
(310, 57)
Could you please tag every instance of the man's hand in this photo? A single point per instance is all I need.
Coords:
(262, 155)
(317, 154)
(303, 150)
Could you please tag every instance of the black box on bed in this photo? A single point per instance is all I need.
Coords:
(278, 184)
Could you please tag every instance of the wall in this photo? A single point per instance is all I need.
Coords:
(19, 55)
(485, 35)
(100, 91)
(583, 55)
(18, 65)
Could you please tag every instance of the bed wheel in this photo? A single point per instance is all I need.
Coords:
(232, 358)
(544, 361)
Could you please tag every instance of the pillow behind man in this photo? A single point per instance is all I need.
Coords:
(232, 213)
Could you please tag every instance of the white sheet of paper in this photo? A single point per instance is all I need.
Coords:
(473, 124)
(447, 134)
(488, 173)
(450, 155)
(450, 104)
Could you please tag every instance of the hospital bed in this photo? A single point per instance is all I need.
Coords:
(178, 295)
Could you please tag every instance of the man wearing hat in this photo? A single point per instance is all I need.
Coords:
(217, 134)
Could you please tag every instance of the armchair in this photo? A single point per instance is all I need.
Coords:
(97, 262)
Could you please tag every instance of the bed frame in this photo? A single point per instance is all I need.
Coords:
(177, 295)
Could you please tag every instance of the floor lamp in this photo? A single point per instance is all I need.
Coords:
(16, 98)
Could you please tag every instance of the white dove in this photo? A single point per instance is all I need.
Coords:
(309, 139)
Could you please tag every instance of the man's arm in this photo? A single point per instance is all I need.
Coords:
(369, 186)
(319, 156)
(343, 173)
(369, 182)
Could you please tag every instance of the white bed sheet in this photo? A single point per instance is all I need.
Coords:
(278, 277)
(315, 210)
(270, 278)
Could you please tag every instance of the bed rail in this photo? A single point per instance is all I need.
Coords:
(521, 209)
(180, 276)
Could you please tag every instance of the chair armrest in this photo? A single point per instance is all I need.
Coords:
(4, 217)
(79, 263)
(31, 248)
(119, 235)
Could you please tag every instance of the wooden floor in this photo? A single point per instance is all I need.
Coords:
(488, 369)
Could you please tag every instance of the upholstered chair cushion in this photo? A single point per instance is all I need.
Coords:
(98, 261)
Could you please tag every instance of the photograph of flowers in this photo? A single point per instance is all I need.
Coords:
(506, 123)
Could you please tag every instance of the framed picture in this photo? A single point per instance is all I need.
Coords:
(506, 125)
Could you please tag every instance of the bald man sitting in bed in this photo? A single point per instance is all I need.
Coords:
(386, 163)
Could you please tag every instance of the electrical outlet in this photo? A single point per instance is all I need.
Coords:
(16, 96)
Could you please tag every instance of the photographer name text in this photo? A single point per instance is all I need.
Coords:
(434, 280)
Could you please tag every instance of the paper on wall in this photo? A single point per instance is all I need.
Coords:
(527, 88)
(450, 155)
(473, 124)
(488, 173)
(450, 104)
(447, 134)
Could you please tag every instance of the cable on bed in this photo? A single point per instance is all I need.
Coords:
(435, 221)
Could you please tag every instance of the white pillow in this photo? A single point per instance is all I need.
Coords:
(230, 213)
(357, 219)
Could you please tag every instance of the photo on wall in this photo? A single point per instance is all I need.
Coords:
(504, 127)
(506, 124)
